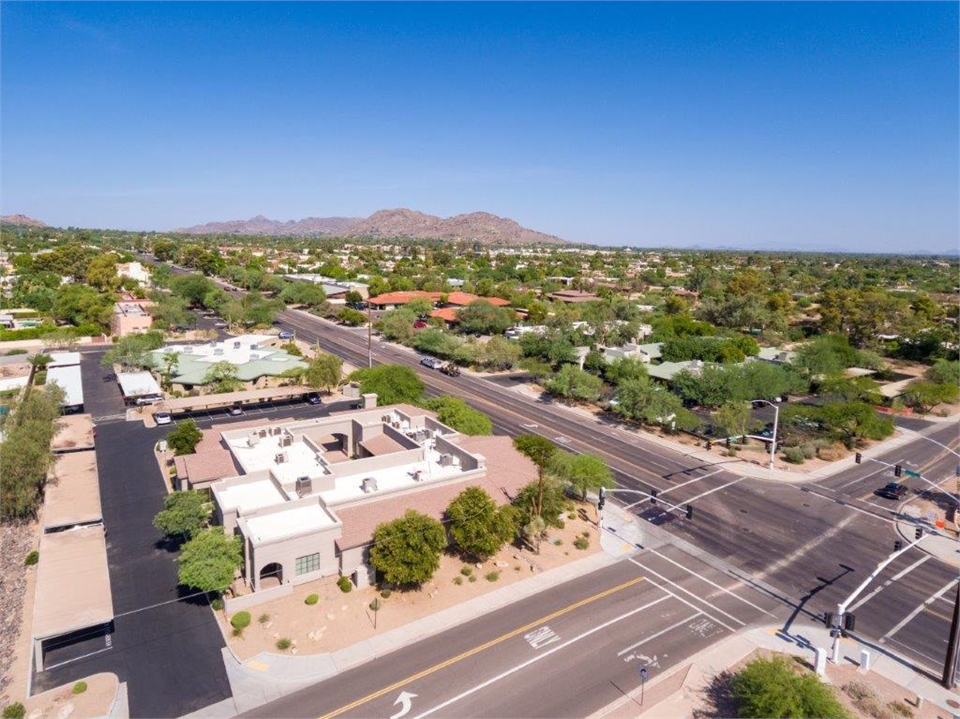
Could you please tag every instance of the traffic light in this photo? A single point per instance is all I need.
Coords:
(849, 622)
(602, 499)
(897, 546)
(653, 496)
(728, 443)
(689, 511)
(918, 533)
(858, 458)
(897, 470)
(828, 620)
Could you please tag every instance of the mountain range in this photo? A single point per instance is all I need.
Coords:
(475, 226)
(21, 220)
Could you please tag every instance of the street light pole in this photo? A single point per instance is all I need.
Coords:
(369, 336)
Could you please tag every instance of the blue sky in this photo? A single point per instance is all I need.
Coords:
(761, 124)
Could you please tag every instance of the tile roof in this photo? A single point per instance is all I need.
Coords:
(401, 298)
(507, 472)
(447, 314)
(462, 299)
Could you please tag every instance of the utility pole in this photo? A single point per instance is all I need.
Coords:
(369, 336)
(950, 664)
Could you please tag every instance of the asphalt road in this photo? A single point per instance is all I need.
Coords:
(813, 544)
(589, 636)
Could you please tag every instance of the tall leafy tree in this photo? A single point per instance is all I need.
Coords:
(393, 384)
(184, 514)
(583, 472)
(185, 437)
(458, 415)
(324, 371)
(209, 561)
(477, 526)
(407, 550)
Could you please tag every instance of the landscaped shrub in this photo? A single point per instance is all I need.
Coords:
(311, 599)
(263, 618)
(14, 711)
(473, 578)
(79, 687)
(458, 580)
(493, 576)
(40, 377)
(217, 604)
(809, 451)
(283, 644)
(32, 558)
(581, 542)
(794, 455)
(346, 586)
(375, 605)
(386, 593)
(240, 620)
(774, 688)
(466, 571)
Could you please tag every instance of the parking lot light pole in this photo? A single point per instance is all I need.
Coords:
(776, 422)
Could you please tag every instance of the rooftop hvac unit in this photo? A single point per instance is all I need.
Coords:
(263, 433)
(285, 440)
(236, 345)
(369, 485)
(446, 460)
(304, 486)
(280, 458)
(253, 440)
(418, 475)
(395, 425)
(386, 418)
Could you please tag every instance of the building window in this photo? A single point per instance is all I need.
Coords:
(307, 564)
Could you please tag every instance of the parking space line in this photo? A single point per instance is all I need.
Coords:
(900, 625)
(701, 577)
(678, 597)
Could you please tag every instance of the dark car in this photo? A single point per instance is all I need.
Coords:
(893, 490)
(313, 398)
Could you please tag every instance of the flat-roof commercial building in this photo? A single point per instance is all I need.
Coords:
(305, 496)
(130, 318)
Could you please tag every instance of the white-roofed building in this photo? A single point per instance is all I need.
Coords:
(137, 384)
(69, 379)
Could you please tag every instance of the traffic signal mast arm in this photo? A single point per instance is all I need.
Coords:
(898, 471)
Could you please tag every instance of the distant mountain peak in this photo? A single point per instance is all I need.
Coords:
(483, 227)
(22, 220)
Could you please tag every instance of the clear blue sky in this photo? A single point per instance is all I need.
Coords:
(768, 125)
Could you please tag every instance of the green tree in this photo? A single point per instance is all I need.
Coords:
(397, 325)
(478, 528)
(407, 550)
(209, 561)
(133, 351)
(626, 368)
(184, 514)
(393, 384)
(102, 273)
(482, 318)
(192, 288)
(303, 293)
(539, 450)
(571, 382)
(734, 418)
(772, 688)
(583, 472)
(458, 415)
(222, 377)
(643, 401)
(324, 371)
(540, 504)
(83, 305)
(944, 372)
(924, 396)
(352, 317)
(185, 437)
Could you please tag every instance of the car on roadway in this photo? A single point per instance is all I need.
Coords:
(162, 418)
(450, 369)
(235, 411)
(313, 398)
(431, 362)
(286, 335)
(893, 490)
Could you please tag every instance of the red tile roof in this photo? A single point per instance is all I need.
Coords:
(462, 299)
(447, 314)
(507, 472)
(401, 298)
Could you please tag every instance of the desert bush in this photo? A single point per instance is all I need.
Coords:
(458, 580)
(311, 599)
(493, 576)
(263, 618)
(79, 688)
(472, 578)
(466, 571)
(346, 586)
(794, 455)
(866, 700)
(240, 620)
(773, 688)
(283, 644)
(386, 593)
(900, 708)
(217, 604)
(14, 711)
(581, 542)
(831, 452)
(32, 558)
(557, 542)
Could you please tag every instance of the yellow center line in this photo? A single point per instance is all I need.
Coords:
(480, 648)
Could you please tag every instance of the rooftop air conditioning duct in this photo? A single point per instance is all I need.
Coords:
(446, 460)
(286, 440)
(369, 485)
(418, 475)
(304, 486)
(236, 345)
(280, 458)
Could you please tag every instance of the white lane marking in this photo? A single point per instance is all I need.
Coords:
(711, 491)
(714, 584)
(860, 479)
(541, 637)
(919, 609)
(890, 581)
(806, 548)
(692, 606)
(524, 665)
(690, 481)
(933, 660)
(662, 631)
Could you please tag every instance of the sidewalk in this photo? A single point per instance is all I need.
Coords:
(267, 676)
(680, 691)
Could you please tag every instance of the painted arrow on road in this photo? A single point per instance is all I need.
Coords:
(405, 700)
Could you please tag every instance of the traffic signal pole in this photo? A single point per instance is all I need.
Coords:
(950, 664)
(836, 630)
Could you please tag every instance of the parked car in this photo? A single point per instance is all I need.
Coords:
(431, 362)
(162, 418)
(893, 490)
(148, 399)
(286, 335)
(419, 325)
(236, 411)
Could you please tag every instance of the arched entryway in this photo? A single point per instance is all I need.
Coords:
(271, 575)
